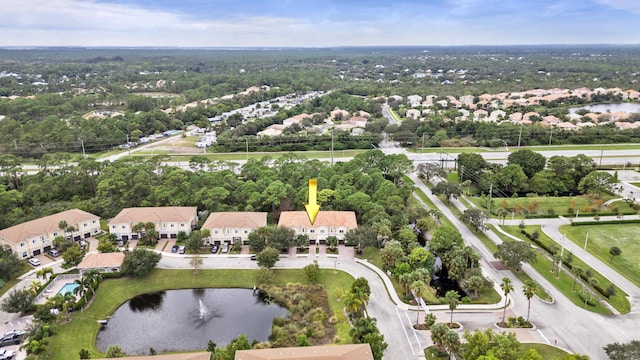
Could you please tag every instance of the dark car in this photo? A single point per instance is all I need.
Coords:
(174, 248)
(11, 338)
(214, 249)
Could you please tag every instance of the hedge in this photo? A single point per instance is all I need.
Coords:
(605, 222)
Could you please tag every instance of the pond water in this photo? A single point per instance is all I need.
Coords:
(603, 108)
(441, 281)
(183, 320)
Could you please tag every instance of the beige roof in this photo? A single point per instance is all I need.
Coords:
(155, 214)
(237, 220)
(101, 260)
(329, 352)
(183, 356)
(47, 224)
(324, 218)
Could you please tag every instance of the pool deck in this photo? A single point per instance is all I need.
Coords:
(53, 289)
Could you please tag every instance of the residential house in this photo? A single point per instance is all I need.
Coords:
(327, 352)
(327, 223)
(413, 114)
(36, 237)
(169, 221)
(272, 130)
(231, 227)
(103, 262)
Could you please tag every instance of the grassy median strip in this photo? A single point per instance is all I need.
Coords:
(81, 332)
(564, 283)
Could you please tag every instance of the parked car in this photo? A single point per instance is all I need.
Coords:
(214, 249)
(54, 252)
(11, 339)
(83, 244)
(6, 354)
(182, 249)
(225, 248)
(174, 248)
(254, 257)
(14, 332)
(34, 262)
(121, 243)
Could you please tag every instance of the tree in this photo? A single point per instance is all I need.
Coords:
(391, 254)
(531, 162)
(448, 190)
(10, 265)
(529, 289)
(513, 253)
(451, 342)
(507, 286)
(139, 262)
(353, 304)
(445, 239)
(475, 283)
(196, 263)
(282, 238)
(429, 170)
(471, 166)
(44, 272)
(510, 179)
(84, 354)
(362, 237)
(18, 301)
(474, 217)
(268, 257)
(438, 332)
(258, 238)
(597, 183)
(490, 345)
(312, 272)
(451, 298)
(624, 351)
(577, 273)
(614, 251)
(194, 242)
(418, 287)
(114, 351)
(73, 256)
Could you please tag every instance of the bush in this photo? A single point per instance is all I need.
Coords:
(587, 298)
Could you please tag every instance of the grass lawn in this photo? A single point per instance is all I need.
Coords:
(553, 205)
(425, 199)
(81, 332)
(545, 351)
(636, 184)
(457, 150)
(565, 282)
(603, 237)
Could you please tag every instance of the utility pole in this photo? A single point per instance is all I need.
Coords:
(246, 142)
(561, 256)
(128, 146)
(423, 134)
(601, 153)
(550, 136)
(520, 135)
(489, 203)
(585, 241)
(461, 173)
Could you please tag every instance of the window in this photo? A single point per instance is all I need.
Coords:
(93, 222)
(55, 234)
(302, 230)
(341, 231)
(246, 231)
(33, 241)
(86, 225)
(173, 225)
(22, 244)
(113, 226)
(312, 231)
(321, 231)
(235, 231)
(24, 254)
(215, 231)
(331, 229)
(181, 225)
(123, 226)
(42, 237)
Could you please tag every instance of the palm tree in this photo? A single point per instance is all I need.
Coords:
(577, 272)
(418, 287)
(43, 272)
(507, 287)
(451, 298)
(137, 228)
(438, 333)
(35, 287)
(451, 342)
(529, 289)
(81, 289)
(92, 278)
(352, 303)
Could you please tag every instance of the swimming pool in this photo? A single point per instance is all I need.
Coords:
(68, 288)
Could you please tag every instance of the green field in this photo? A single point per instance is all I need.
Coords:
(565, 281)
(81, 332)
(540, 205)
(603, 237)
(457, 150)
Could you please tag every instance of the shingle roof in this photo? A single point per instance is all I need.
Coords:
(324, 218)
(329, 352)
(154, 214)
(101, 260)
(238, 220)
(21, 232)
(183, 356)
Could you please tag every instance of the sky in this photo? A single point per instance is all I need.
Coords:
(316, 23)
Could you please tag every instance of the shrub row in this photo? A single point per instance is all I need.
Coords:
(606, 222)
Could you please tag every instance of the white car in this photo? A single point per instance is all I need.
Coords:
(6, 354)
(34, 262)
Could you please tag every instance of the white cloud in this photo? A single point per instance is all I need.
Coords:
(632, 6)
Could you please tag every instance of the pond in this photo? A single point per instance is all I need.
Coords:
(604, 108)
(184, 320)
